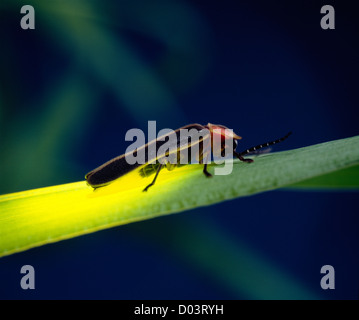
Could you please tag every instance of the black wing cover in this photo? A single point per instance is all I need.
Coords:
(119, 166)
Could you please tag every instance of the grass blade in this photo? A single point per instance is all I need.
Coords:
(40, 216)
(346, 180)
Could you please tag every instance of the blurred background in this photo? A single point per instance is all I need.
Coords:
(91, 70)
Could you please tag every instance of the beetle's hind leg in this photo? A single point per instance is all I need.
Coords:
(154, 179)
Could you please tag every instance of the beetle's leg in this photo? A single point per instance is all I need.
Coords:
(205, 171)
(154, 179)
(241, 158)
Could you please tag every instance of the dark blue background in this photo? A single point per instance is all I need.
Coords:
(262, 68)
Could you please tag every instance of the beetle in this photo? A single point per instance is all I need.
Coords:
(119, 166)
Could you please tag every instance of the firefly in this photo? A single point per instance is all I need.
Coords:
(157, 160)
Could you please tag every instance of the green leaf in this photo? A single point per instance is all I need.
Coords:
(36, 217)
(346, 179)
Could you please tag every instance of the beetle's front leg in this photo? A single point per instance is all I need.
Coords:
(241, 158)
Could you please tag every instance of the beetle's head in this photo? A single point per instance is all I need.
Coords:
(224, 134)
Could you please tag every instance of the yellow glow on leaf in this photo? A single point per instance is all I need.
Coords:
(59, 212)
